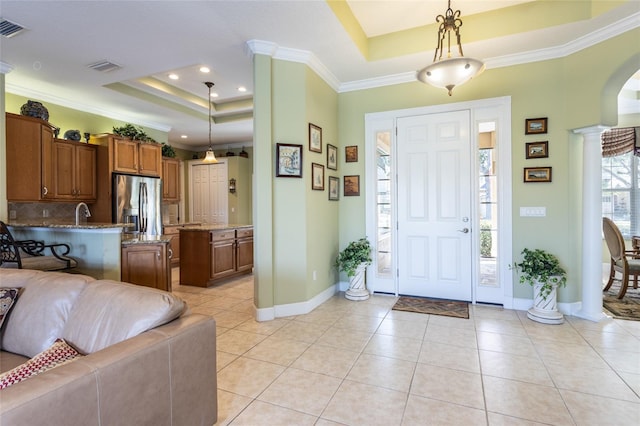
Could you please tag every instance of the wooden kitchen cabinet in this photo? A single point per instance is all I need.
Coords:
(146, 264)
(135, 157)
(208, 256)
(172, 231)
(170, 179)
(244, 250)
(223, 254)
(29, 158)
(74, 171)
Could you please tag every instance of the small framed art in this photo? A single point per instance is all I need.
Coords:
(317, 176)
(351, 154)
(288, 160)
(315, 138)
(332, 157)
(351, 186)
(537, 174)
(537, 149)
(334, 188)
(535, 126)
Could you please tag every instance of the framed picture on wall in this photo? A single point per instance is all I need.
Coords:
(351, 186)
(315, 138)
(537, 149)
(317, 176)
(334, 188)
(288, 160)
(535, 126)
(351, 154)
(332, 157)
(537, 174)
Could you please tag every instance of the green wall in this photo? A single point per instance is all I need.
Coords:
(73, 119)
(569, 91)
(322, 214)
(305, 222)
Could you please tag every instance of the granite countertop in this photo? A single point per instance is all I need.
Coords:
(130, 239)
(212, 227)
(64, 224)
(182, 224)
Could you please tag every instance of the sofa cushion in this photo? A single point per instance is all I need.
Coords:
(58, 354)
(108, 312)
(8, 298)
(38, 318)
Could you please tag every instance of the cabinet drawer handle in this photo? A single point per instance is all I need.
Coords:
(46, 191)
(170, 254)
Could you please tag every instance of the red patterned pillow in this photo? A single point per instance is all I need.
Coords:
(8, 297)
(58, 354)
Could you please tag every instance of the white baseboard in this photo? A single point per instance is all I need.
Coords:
(300, 308)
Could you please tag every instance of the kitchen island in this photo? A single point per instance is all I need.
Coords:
(96, 246)
(146, 260)
(212, 253)
(103, 251)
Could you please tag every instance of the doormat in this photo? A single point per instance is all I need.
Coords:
(628, 307)
(422, 305)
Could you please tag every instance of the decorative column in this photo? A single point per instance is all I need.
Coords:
(5, 68)
(591, 224)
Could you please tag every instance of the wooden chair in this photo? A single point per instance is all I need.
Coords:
(31, 254)
(627, 262)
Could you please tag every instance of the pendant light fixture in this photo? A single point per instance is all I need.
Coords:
(452, 71)
(210, 157)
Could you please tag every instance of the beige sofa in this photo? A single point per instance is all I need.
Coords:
(147, 361)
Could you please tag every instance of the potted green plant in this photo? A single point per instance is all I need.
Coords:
(168, 151)
(353, 260)
(542, 270)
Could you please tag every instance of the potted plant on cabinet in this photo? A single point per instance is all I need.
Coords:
(542, 270)
(354, 260)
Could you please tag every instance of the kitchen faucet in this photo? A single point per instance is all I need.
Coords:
(87, 213)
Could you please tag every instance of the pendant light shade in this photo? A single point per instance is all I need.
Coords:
(209, 157)
(452, 71)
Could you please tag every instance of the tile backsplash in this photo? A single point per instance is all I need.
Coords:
(31, 211)
(67, 211)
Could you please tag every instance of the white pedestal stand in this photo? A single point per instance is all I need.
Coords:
(545, 310)
(357, 287)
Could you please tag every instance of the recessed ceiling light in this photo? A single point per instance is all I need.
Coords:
(242, 89)
(205, 69)
(184, 136)
(214, 95)
(173, 76)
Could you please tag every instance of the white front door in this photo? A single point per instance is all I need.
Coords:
(434, 205)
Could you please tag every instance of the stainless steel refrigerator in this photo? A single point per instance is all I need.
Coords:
(137, 201)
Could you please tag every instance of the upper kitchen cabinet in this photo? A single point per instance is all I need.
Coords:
(135, 157)
(29, 158)
(170, 179)
(74, 171)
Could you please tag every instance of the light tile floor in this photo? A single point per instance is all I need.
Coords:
(360, 363)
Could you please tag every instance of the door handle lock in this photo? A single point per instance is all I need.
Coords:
(464, 230)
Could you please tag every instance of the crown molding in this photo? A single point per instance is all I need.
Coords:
(30, 93)
(260, 47)
(612, 30)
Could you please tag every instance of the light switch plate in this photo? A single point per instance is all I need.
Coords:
(533, 211)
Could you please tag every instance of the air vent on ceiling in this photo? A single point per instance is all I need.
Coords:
(9, 29)
(104, 66)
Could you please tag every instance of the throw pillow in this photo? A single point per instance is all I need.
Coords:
(8, 298)
(58, 354)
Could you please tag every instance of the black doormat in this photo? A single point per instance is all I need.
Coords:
(628, 307)
(423, 305)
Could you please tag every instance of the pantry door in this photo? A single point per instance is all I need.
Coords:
(434, 205)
